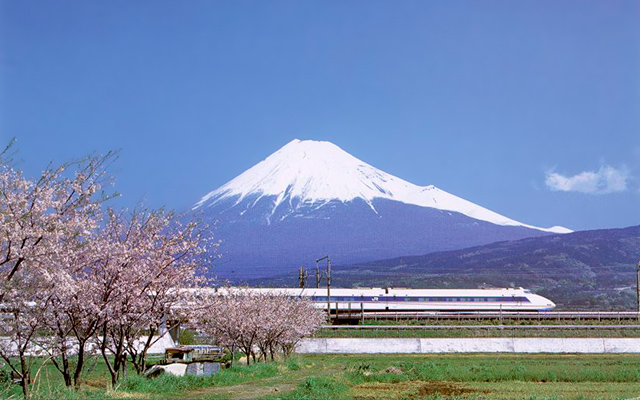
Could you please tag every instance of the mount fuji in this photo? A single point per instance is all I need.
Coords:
(312, 198)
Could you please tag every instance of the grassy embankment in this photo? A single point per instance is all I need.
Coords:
(474, 332)
(341, 377)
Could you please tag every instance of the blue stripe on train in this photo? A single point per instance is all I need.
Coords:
(431, 299)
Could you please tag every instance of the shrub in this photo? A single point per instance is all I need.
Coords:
(187, 337)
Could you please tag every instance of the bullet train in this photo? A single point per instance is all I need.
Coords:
(396, 299)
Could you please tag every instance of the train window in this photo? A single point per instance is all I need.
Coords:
(396, 298)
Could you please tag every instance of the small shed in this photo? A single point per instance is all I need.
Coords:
(204, 352)
(178, 354)
(194, 353)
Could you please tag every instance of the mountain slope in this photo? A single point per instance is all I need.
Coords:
(587, 269)
(311, 198)
(315, 173)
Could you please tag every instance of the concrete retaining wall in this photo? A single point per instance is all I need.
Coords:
(470, 345)
(159, 344)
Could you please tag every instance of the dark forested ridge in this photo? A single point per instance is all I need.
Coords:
(581, 270)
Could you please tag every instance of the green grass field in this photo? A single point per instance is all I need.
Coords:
(341, 377)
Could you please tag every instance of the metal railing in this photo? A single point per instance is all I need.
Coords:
(440, 327)
(461, 315)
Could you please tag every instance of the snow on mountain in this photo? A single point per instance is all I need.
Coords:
(314, 172)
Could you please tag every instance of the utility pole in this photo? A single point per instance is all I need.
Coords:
(638, 289)
(329, 288)
(328, 283)
(302, 277)
(317, 275)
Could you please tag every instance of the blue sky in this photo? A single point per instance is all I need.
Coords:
(529, 108)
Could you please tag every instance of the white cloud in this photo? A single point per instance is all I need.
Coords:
(606, 180)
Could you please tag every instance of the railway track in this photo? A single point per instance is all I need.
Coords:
(559, 316)
(440, 327)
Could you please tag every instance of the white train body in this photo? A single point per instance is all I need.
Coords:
(391, 299)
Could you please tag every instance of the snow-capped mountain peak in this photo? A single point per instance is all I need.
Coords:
(316, 172)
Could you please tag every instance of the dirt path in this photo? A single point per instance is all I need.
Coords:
(248, 391)
(259, 388)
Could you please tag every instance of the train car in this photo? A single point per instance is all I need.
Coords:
(398, 299)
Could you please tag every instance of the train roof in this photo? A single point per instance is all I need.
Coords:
(387, 291)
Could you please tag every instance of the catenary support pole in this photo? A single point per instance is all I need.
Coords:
(328, 284)
(638, 289)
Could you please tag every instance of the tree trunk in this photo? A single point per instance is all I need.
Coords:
(80, 364)
(139, 360)
(124, 366)
(135, 360)
(65, 369)
(113, 371)
(271, 352)
(24, 383)
(233, 354)
(263, 354)
(26, 376)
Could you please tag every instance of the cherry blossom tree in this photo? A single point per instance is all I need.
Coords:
(43, 218)
(217, 317)
(242, 319)
(151, 261)
(176, 257)
(232, 318)
(42, 221)
(71, 318)
(21, 321)
(67, 270)
(301, 320)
